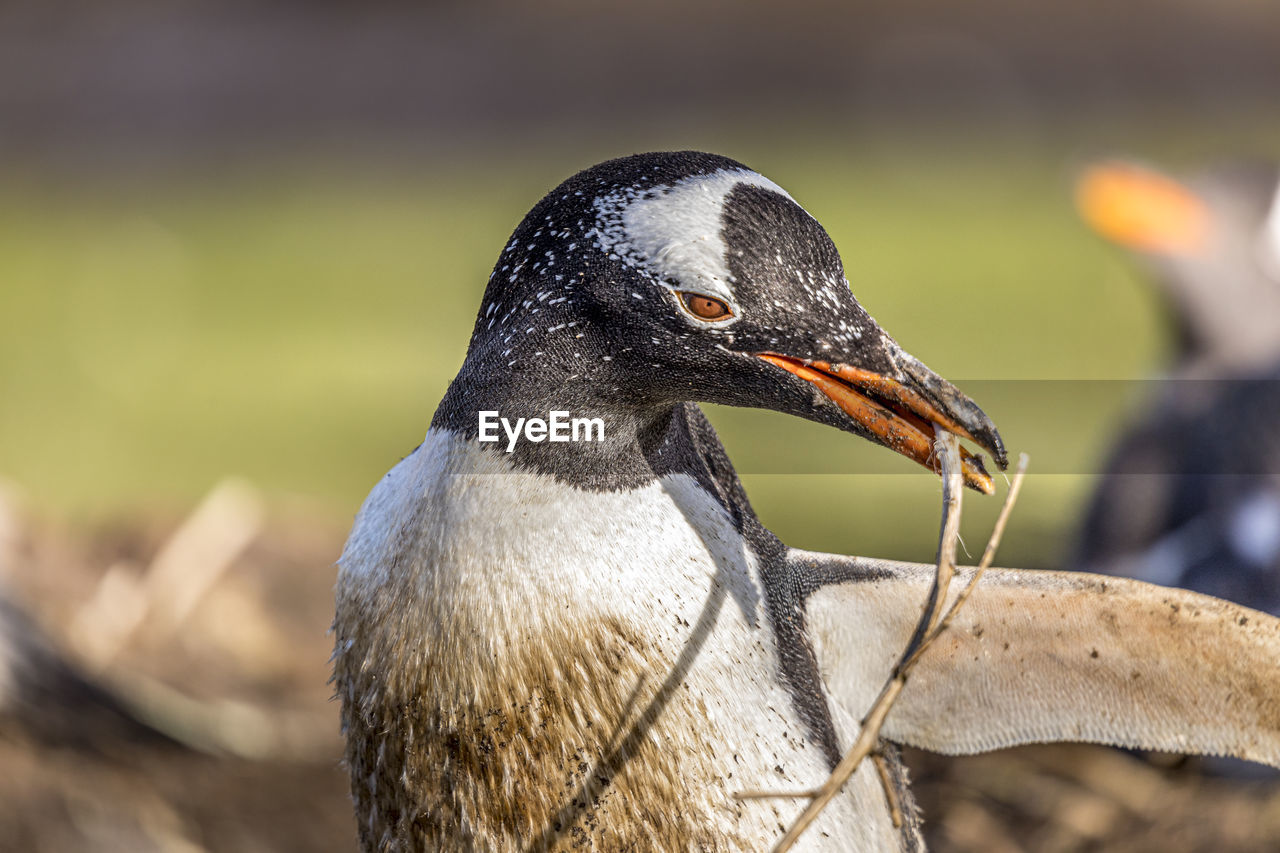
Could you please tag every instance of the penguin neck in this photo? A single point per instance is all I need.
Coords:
(1231, 328)
(573, 426)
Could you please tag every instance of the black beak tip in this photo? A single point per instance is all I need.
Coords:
(993, 444)
(951, 400)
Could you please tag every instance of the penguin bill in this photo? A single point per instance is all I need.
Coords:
(900, 418)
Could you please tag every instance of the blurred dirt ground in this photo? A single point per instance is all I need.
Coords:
(253, 653)
(246, 673)
(1072, 797)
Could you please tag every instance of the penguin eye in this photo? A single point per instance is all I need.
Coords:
(705, 307)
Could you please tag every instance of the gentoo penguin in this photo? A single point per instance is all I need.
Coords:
(1190, 496)
(547, 643)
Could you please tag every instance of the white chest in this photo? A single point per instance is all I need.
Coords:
(641, 611)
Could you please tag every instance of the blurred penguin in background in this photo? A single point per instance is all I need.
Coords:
(1190, 495)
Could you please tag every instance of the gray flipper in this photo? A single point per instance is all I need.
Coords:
(1051, 656)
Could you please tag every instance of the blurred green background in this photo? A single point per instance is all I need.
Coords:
(199, 277)
(249, 237)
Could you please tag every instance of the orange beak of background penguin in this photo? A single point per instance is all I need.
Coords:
(900, 418)
(1142, 209)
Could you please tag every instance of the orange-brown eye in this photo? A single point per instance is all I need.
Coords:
(704, 307)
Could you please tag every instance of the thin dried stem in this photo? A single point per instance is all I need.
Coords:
(775, 795)
(947, 448)
(890, 793)
(196, 556)
(989, 555)
(932, 623)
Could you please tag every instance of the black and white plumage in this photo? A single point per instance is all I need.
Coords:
(594, 645)
(1190, 496)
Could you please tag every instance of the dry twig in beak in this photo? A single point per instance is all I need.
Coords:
(947, 448)
(933, 621)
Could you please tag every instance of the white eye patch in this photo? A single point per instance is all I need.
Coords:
(674, 232)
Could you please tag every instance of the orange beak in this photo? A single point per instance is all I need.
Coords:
(900, 418)
(1142, 209)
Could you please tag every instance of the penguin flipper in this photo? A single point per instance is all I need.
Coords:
(1038, 656)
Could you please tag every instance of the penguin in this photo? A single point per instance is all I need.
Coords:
(1190, 493)
(552, 638)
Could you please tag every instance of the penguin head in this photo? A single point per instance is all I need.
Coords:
(670, 277)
